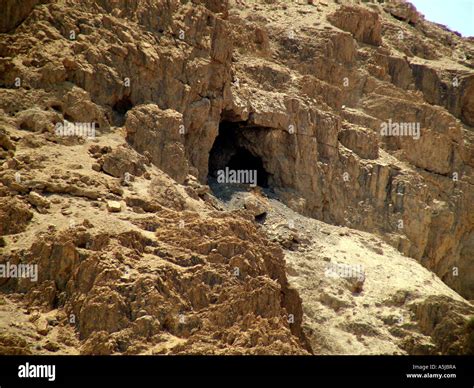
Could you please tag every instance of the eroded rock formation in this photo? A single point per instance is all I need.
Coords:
(136, 254)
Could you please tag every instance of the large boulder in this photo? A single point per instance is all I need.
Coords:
(122, 161)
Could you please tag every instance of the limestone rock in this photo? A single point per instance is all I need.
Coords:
(14, 12)
(122, 161)
(5, 141)
(36, 120)
(99, 343)
(362, 23)
(255, 205)
(114, 206)
(14, 216)
(403, 10)
(151, 129)
(363, 143)
(175, 89)
(38, 200)
(13, 345)
(42, 326)
(445, 321)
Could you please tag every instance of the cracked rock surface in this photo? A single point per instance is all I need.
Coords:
(115, 116)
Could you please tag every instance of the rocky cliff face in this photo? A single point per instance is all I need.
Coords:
(115, 117)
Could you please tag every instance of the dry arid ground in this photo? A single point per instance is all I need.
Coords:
(122, 230)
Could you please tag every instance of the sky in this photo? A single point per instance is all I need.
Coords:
(458, 15)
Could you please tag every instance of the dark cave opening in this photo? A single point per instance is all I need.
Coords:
(123, 105)
(120, 108)
(230, 161)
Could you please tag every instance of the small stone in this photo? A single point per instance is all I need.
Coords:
(114, 206)
(42, 326)
(51, 346)
(38, 200)
(255, 206)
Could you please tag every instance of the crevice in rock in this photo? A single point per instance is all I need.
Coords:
(69, 118)
(402, 19)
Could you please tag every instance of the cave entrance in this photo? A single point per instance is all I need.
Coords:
(233, 161)
(120, 108)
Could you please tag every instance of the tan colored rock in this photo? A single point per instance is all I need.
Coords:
(5, 141)
(158, 132)
(179, 274)
(14, 216)
(255, 205)
(445, 320)
(36, 120)
(114, 206)
(364, 143)
(403, 10)
(42, 326)
(122, 161)
(99, 343)
(38, 200)
(13, 345)
(363, 24)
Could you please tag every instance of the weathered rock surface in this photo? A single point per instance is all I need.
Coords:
(362, 23)
(14, 12)
(137, 255)
(14, 216)
(157, 132)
